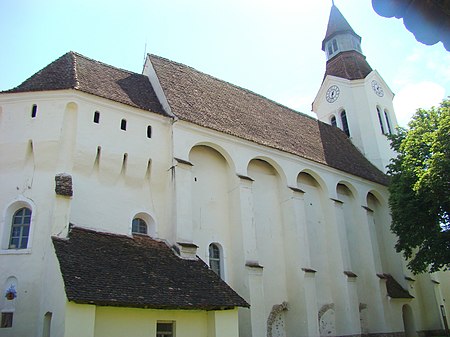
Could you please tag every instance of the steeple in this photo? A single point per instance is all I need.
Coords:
(337, 25)
(353, 97)
(342, 47)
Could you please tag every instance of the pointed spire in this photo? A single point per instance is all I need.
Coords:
(342, 47)
(337, 24)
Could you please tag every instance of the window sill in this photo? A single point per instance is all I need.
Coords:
(15, 251)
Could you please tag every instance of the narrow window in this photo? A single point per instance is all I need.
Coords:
(33, 111)
(7, 319)
(20, 229)
(165, 329)
(330, 49)
(149, 131)
(388, 122)
(344, 123)
(333, 121)
(335, 46)
(380, 119)
(96, 117)
(215, 259)
(138, 226)
(123, 124)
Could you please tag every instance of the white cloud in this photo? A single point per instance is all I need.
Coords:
(414, 96)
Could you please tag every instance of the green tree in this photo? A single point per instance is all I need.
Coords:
(420, 189)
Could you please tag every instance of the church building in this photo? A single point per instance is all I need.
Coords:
(172, 203)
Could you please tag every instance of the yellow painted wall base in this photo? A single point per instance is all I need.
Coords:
(94, 321)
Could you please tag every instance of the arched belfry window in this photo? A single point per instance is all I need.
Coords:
(345, 123)
(139, 226)
(215, 259)
(388, 122)
(332, 47)
(20, 229)
(333, 120)
(380, 120)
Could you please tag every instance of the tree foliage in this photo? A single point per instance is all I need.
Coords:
(420, 189)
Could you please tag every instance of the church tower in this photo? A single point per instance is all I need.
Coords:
(353, 97)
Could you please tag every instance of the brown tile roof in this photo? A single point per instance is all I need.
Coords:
(75, 71)
(209, 102)
(337, 24)
(349, 64)
(116, 270)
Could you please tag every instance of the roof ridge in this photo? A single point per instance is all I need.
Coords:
(104, 64)
(74, 70)
(234, 85)
(132, 237)
(96, 231)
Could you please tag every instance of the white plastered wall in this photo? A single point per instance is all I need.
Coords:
(270, 218)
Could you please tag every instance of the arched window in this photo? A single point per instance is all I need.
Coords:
(138, 226)
(333, 120)
(380, 119)
(20, 229)
(388, 122)
(215, 259)
(344, 123)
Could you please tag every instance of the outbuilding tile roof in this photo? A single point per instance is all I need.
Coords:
(117, 270)
(394, 289)
(75, 71)
(201, 99)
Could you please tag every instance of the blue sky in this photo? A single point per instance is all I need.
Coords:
(270, 47)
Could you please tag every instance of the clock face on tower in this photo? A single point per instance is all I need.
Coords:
(332, 93)
(377, 88)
